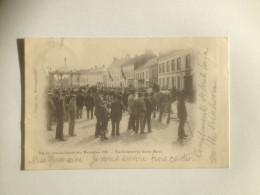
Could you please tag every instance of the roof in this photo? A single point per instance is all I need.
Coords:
(141, 67)
(63, 68)
(169, 53)
(96, 70)
(151, 62)
(119, 62)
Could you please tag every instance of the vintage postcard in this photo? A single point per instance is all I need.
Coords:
(95, 103)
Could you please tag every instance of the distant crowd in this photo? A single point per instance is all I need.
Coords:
(107, 104)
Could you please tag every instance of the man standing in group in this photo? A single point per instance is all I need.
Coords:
(104, 118)
(182, 115)
(131, 103)
(66, 103)
(117, 109)
(50, 110)
(60, 114)
(72, 114)
(98, 111)
(80, 104)
(90, 103)
(149, 109)
(140, 108)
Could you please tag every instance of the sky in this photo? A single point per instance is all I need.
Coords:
(84, 53)
(87, 53)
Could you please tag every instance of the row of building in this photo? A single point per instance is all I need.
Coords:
(172, 69)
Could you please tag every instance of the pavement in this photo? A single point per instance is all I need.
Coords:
(162, 134)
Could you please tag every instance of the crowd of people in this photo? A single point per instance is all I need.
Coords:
(106, 104)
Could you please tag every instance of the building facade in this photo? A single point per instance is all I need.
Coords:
(90, 77)
(141, 77)
(116, 70)
(128, 70)
(176, 70)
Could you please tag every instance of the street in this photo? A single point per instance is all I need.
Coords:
(162, 134)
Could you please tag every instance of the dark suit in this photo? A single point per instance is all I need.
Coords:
(80, 104)
(149, 110)
(59, 115)
(90, 103)
(117, 108)
(182, 115)
(72, 116)
(140, 112)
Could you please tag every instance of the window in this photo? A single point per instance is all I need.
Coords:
(163, 81)
(187, 61)
(173, 65)
(179, 64)
(163, 67)
(168, 66)
(160, 81)
(168, 81)
(160, 68)
(178, 83)
(173, 82)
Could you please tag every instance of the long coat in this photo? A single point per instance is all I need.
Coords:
(116, 110)
(149, 106)
(89, 101)
(182, 112)
(140, 108)
(131, 103)
(80, 100)
(72, 109)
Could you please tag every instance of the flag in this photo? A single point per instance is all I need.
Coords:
(122, 72)
(110, 75)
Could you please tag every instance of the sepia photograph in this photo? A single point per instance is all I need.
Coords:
(126, 103)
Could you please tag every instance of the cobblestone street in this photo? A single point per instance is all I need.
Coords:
(162, 134)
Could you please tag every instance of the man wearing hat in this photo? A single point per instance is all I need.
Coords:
(149, 109)
(98, 111)
(182, 115)
(59, 114)
(117, 109)
(131, 104)
(140, 108)
(80, 104)
(50, 110)
(66, 103)
(89, 103)
(72, 114)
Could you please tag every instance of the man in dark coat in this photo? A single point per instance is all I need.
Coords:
(98, 111)
(80, 104)
(50, 111)
(72, 114)
(125, 99)
(140, 110)
(60, 114)
(90, 103)
(149, 110)
(182, 115)
(104, 118)
(66, 103)
(117, 109)
(55, 99)
(131, 103)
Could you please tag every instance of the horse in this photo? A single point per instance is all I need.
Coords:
(162, 101)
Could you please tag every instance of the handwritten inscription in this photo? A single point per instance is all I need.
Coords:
(93, 157)
(207, 95)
